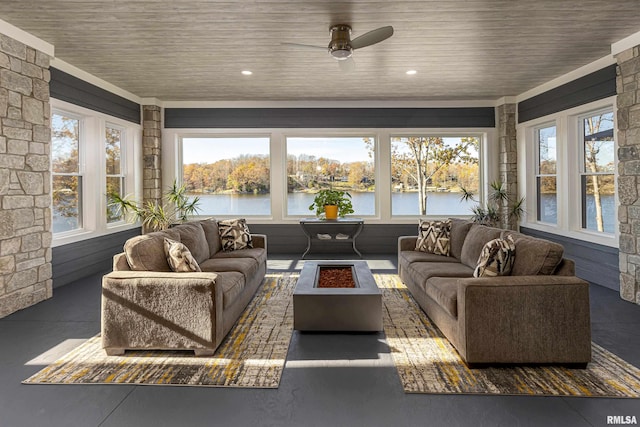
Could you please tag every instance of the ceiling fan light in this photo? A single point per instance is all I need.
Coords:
(341, 54)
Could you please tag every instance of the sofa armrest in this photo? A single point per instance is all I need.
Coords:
(526, 319)
(162, 310)
(259, 241)
(120, 262)
(407, 243)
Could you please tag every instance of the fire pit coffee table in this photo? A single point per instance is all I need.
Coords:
(337, 296)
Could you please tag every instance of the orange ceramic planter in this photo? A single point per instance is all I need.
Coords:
(331, 211)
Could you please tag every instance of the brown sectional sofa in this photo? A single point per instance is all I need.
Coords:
(147, 306)
(538, 314)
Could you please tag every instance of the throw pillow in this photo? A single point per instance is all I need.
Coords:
(496, 258)
(434, 237)
(179, 257)
(234, 234)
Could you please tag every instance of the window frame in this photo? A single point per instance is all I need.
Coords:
(539, 175)
(172, 163)
(484, 171)
(93, 163)
(567, 171)
(123, 168)
(80, 173)
(366, 133)
(582, 173)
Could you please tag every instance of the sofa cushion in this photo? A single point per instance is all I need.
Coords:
(212, 233)
(417, 256)
(496, 258)
(193, 237)
(434, 237)
(477, 237)
(459, 230)
(179, 257)
(146, 252)
(259, 254)
(420, 272)
(234, 234)
(444, 291)
(535, 256)
(247, 266)
(232, 284)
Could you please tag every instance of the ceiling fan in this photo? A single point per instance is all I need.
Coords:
(341, 46)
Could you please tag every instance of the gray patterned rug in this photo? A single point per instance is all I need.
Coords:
(252, 355)
(428, 363)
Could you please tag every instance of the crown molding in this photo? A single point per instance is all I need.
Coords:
(26, 38)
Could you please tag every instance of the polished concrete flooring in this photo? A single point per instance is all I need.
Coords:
(329, 379)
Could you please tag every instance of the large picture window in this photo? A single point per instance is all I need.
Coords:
(597, 174)
(230, 175)
(341, 163)
(546, 182)
(67, 173)
(429, 174)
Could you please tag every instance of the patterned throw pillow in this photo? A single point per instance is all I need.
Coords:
(496, 258)
(234, 234)
(434, 237)
(179, 257)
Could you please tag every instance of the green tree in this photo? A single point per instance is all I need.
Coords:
(427, 156)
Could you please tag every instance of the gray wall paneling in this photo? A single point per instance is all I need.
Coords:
(81, 259)
(374, 239)
(595, 263)
(597, 85)
(477, 117)
(66, 87)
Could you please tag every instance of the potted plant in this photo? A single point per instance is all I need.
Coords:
(500, 205)
(332, 203)
(155, 217)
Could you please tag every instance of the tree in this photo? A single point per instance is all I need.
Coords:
(592, 148)
(424, 157)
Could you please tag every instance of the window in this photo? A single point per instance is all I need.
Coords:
(114, 169)
(341, 163)
(430, 173)
(230, 175)
(546, 182)
(92, 154)
(67, 173)
(597, 172)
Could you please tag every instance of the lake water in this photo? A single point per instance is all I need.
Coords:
(401, 204)
(363, 204)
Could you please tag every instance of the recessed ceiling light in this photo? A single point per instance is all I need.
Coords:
(411, 72)
(246, 72)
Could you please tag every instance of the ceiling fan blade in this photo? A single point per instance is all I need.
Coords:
(372, 37)
(304, 46)
(348, 65)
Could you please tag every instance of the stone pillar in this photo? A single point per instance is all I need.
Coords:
(628, 137)
(508, 160)
(152, 154)
(25, 177)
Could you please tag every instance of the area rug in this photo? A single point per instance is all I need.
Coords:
(252, 355)
(428, 363)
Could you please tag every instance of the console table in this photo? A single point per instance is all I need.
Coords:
(351, 227)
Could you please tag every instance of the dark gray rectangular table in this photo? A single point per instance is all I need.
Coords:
(356, 309)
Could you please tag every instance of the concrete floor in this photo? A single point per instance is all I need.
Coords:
(329, 379)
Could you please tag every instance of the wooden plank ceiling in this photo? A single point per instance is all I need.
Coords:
(195, 49)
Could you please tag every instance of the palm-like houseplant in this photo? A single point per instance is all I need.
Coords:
(500, 204)
(329, 197)
(154, 216)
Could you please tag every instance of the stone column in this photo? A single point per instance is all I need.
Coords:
(25, 177)
(152, 154)
(508, 160)
(628, 137)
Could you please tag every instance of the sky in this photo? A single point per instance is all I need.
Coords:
(209, 150)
